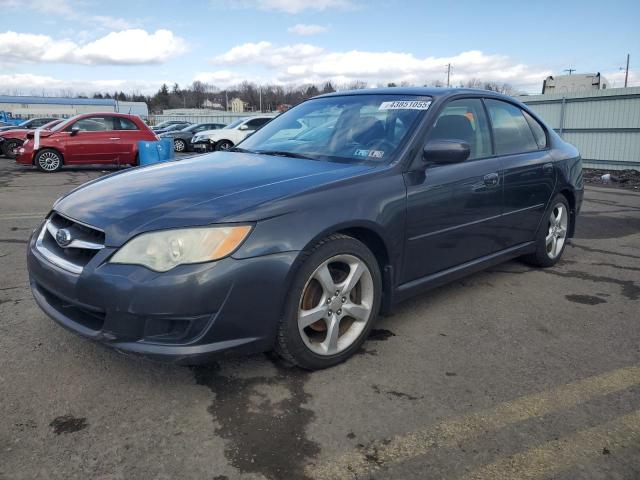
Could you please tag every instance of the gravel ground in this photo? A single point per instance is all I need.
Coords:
(619, 178)
(512, 373)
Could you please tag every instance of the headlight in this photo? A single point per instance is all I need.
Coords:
(163, 250)
(198, 138)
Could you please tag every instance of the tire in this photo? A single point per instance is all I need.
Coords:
(327, 303)
(551, 238)
(223, 145)
(10, 147)
(179, 145)
(48, 160)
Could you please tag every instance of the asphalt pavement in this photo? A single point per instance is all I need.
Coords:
(513, 373)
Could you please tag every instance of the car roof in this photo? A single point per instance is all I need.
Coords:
(435, 92)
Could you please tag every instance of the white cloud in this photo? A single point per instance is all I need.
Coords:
(307, 29)
(222, 78)
(68, 9)
(127, 47)
(287, 6)
(616, 78)
(266, 53)
(29, 84)
(303, 63)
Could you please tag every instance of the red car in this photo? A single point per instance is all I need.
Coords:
(12, 140)
(92, 138)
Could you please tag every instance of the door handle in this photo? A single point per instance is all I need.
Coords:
(491, 179)
(114, 138)
(547, 168)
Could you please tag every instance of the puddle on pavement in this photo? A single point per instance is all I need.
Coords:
(585, 299)
(68, 424)
(263, 419)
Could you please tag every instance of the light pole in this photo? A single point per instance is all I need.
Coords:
(626, 72)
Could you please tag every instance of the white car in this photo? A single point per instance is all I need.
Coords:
(227, 137)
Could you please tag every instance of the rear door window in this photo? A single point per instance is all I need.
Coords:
(125, 124)
(511, 131)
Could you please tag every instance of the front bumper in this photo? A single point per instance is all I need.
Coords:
(203, 146)
(25, 156)
(188, 315)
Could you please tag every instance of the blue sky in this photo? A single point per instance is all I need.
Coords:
(90, 45)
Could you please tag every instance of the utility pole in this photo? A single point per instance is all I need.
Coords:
(260, 90)
(626, 72)
(448, 74)
(226, 100)
(570, 70)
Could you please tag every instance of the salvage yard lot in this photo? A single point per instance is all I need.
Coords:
(510, 373)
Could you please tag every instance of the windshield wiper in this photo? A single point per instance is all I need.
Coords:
(240, 150)
(283, 153)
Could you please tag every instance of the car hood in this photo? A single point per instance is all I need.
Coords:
(215, 188)
(175, 134)
(212, 133)
(14, 131)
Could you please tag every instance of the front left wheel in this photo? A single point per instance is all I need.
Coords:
(223, 145)
(48, 160)
(332, 304)
(179, 145)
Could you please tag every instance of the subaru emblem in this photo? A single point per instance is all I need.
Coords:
(63, 237)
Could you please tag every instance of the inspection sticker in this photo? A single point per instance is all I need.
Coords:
(369, 153)
(405, 105)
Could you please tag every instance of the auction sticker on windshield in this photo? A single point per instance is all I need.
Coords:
(369, 153)
(405, 105)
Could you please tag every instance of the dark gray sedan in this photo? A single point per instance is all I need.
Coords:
(295, 240)
(182, 138)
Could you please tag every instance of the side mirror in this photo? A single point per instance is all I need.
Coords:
(243, 127)
(446, 151)
(74, 130)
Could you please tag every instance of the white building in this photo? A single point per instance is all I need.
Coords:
(579, 82)
(237, 105)
(30, 107)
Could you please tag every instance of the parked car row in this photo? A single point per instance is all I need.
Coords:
(229, 136)
(182, 138)
(110, 138)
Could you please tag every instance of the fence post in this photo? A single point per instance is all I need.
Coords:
(562, 107)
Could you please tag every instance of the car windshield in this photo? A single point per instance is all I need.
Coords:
(62, 125)
(349, 128)
(236, 123)
(52, 123)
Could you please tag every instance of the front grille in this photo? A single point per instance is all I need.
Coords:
(80, 245)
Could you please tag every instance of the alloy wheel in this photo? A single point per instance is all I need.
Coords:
(557, 233)
(49, 161)
(336, 305)
(179, 145)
